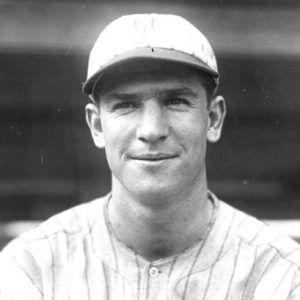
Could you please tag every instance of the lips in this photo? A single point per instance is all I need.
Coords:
(153, 156)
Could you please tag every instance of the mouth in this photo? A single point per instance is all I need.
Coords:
(157, 157)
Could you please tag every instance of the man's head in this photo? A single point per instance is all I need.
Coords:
(153, 113)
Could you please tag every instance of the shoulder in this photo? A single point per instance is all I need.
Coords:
(262, 237)
(34, 253)
(268, 258)
(75, 221)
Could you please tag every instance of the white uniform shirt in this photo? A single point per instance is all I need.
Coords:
(75, 255)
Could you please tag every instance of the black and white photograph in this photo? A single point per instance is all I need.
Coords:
(150, 150)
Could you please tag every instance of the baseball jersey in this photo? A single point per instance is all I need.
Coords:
(75, 255)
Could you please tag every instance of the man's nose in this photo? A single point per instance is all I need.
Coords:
(153, 125)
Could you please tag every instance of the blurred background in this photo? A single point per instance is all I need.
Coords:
(48, 162)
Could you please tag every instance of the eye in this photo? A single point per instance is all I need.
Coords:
(177, 101)
(124, 106)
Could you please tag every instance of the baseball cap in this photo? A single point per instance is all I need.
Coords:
(155, 36)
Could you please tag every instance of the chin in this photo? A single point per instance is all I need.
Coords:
(158, 194)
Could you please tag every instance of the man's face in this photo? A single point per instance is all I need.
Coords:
(154, 123)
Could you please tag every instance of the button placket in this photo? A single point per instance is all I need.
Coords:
(150, 276)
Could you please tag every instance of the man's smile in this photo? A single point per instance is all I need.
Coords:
(153, 157)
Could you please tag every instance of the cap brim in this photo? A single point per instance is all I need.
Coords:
(146, 53)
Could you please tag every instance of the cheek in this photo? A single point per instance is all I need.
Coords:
(117, 136)
(192, 130)
(196, 143)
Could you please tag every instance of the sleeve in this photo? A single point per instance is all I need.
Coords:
(17, 275)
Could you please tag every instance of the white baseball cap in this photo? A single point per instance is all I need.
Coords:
(158, 36)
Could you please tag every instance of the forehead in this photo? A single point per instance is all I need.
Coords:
(148, 74)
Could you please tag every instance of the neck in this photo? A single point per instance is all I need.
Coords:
(154, 230)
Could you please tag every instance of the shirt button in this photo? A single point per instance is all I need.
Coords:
(153, 272)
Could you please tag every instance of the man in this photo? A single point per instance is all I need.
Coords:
(159, 234)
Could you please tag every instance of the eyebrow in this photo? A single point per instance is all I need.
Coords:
(163, 93)
(178, 91)
(121, 96)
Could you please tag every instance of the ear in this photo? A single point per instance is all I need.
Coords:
(92, 116)
(217, 112)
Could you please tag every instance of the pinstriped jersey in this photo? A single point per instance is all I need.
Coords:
(75, 255)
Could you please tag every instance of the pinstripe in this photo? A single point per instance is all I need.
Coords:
(294, 288)
(28, 276)
(257, 234)
(33, 263)
(114, 252)
(90, 236)
(194, 262)
(170, 273)
(63, 243)
(84, 247)
(233, 271)
(198, 253)
(262, 274)
(241, 223)
(265, 269)
(219, 254)
(86, 267)
(107, 287)
(52, 261)
(191, 268)
(280, 281)
(171, 268)
(138, 276)
(67, 246)
(77, 219)
(110, 229)
(250, 274)
(147, 291)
